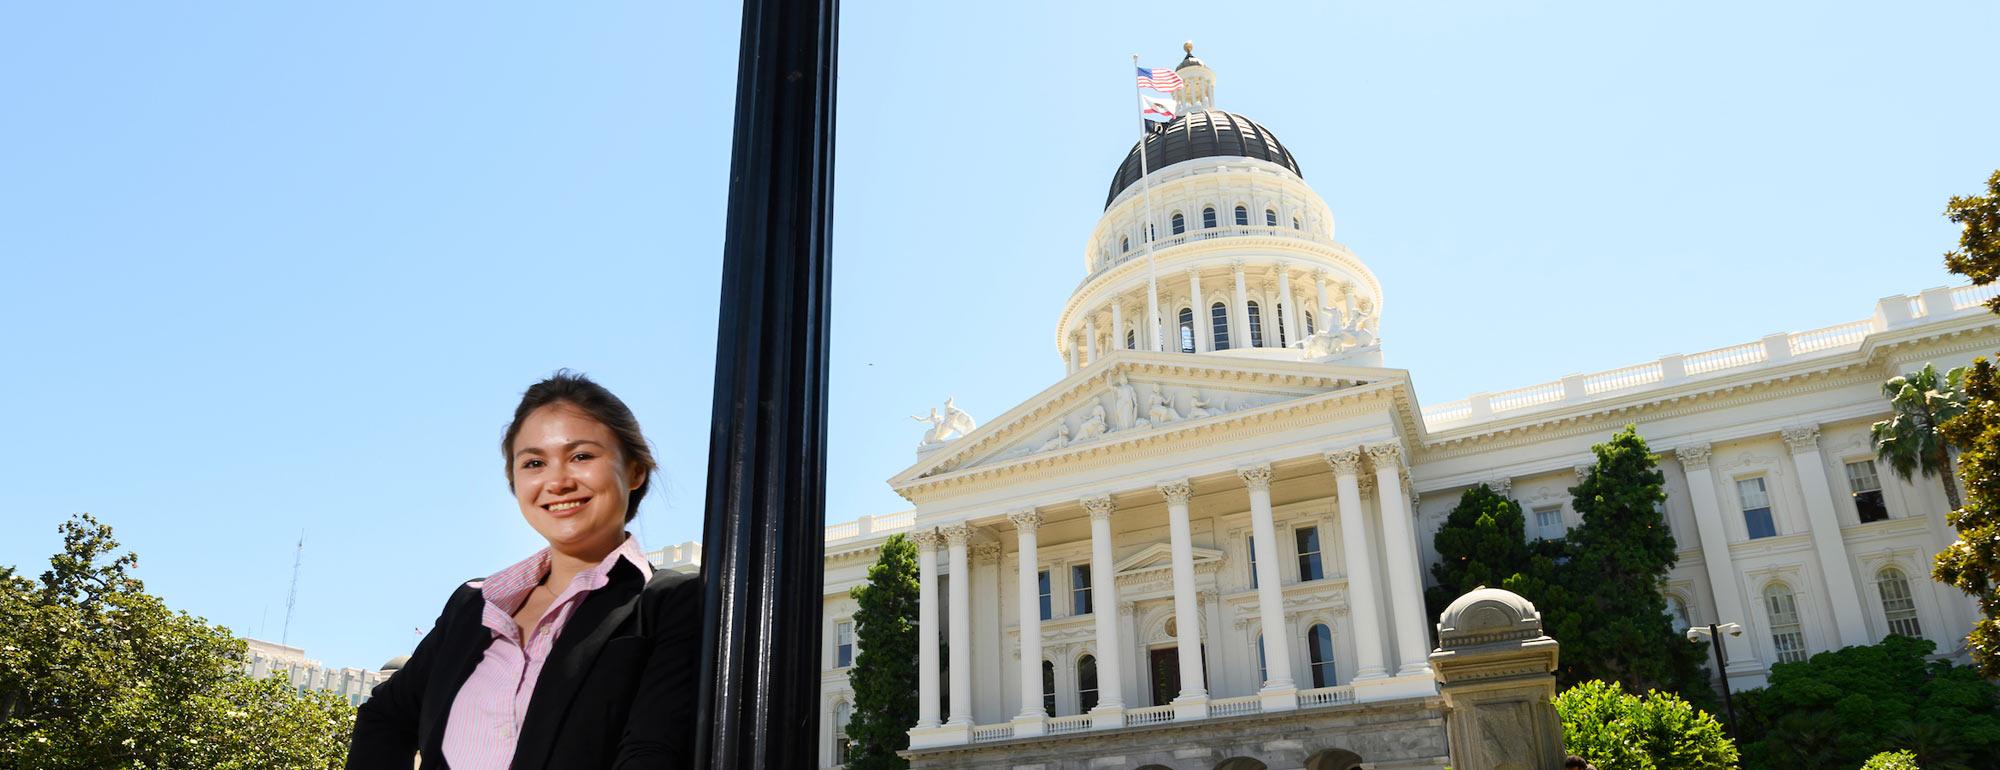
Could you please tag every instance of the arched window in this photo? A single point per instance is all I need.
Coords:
(1319, 645)
(1131, 340)
(1898, 605)
(1242, 216)
(1270, 217)
(1308, 318)
(1151, 233)
(1124, 245)
(1180, 223)
(1187, 329)
(1282, 342)
(1256, 327)
(842, 714)
(1208, 217)
(1783, 609)
(1218, 319)
(1678, 611)
(1086, 684)
(1261, 676)
(1049, 688)
(1295, 224)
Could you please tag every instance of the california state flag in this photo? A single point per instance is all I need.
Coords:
(1160, 108)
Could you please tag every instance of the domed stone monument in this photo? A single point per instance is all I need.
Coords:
(1495, 669)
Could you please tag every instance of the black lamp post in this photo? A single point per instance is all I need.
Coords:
(1714, 632)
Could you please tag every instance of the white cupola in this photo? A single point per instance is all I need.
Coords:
(1197, 91)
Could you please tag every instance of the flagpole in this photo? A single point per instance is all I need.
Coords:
(1146, 190)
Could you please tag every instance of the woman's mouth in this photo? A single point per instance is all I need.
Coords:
(565, 506)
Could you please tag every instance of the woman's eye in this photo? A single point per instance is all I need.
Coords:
(580, 456)
(531, 464)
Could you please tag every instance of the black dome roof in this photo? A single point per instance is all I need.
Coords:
(1202, 134)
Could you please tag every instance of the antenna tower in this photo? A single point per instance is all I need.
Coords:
(292, 597)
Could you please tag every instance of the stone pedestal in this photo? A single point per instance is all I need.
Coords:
(1495, 669)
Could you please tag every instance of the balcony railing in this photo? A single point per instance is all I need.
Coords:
(1321, 697)
(1776, 349)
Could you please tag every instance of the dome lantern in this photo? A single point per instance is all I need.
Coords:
(1197, 91)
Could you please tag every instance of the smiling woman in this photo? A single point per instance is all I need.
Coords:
(580, 656)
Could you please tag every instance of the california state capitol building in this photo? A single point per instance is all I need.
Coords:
(1206, 545)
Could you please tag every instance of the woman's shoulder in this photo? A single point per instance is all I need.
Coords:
(669, 581)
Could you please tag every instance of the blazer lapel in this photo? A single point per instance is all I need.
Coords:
(468, 642)
(583, 636)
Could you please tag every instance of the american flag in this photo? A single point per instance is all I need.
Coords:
(1161, 80)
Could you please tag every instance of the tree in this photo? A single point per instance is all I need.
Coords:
(1911, 440)
(1614, 621)
(1972, 562)
(1839, 708)
(1483, 543)
(1612, 728)
(885, 670)
(97, 673)
(1978, 253)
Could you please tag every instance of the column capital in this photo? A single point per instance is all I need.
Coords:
(1693, 456)
(927, 538)
(1026, 519)
(1803, 438)
(957, 534)
(1344, 461)
(1099, 507)
(1502, 486)
(1256, 477)
(1319, 274)
(1177, 491)
(1582, 471)
(1237, 265)
(1386, 452)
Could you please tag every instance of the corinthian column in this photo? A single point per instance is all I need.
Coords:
(1399, 546)
(1361, 570)
(1288, 305)
(1192, 702)
(1239, 329)
(1104, 610)
(1843, 592)
(927, 629)
(1118, 324)
(1279, 692)
(1029, 720)
(1715, 557)
(1204, 333)
(956, 537)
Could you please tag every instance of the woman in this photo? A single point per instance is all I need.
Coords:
(580, 656)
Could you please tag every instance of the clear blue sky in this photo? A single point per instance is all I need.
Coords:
(281, 269)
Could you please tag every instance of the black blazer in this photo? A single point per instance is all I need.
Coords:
(617, 691)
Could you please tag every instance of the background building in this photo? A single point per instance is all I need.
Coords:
(262, 659)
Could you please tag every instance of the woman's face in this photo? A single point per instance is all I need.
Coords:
(571, 480)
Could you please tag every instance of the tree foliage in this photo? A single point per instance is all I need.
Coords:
(97, 673)
(1978, 253)
(1972, 562)
(1612, 728)
(1912, 440)
(1613, 622)
(1841, 707)
(885, 669)
(1483, 542)
(1892, 760)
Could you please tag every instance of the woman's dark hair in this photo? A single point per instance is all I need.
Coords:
(577, 391)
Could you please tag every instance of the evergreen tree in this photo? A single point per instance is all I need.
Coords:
(1973, 561)
(1482, 543)
(885, 669)
(1613, 623)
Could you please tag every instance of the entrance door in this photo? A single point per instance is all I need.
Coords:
(1166, 666)
(1166, 675)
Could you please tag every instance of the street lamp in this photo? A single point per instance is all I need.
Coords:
(1714, 632)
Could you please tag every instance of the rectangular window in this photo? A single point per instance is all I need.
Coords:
(1549, 522)
(1079, 589)
(1250, 547)
(1867, 490)
(1308, 543)
(1756, 508)
(1048, 604)
(843, 644)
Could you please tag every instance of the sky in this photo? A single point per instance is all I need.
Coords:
(281, 271)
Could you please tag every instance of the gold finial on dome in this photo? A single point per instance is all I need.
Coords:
(1188, 47)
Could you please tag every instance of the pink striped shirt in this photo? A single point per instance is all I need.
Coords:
(485, 718)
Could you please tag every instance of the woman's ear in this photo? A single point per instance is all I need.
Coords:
(636, 474)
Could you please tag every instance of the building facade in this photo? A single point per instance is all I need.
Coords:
(1206, 545)
(262, 659)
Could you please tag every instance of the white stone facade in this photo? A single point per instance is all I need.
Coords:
(262, 659)
(1207, 498)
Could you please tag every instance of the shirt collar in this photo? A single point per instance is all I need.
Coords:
(509, 586)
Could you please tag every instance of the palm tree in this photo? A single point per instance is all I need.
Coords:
(1909, 440)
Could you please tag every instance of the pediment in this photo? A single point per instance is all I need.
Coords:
(1130, 396)
(1160, 556)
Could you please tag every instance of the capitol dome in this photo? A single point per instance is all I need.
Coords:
(1202, 134)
